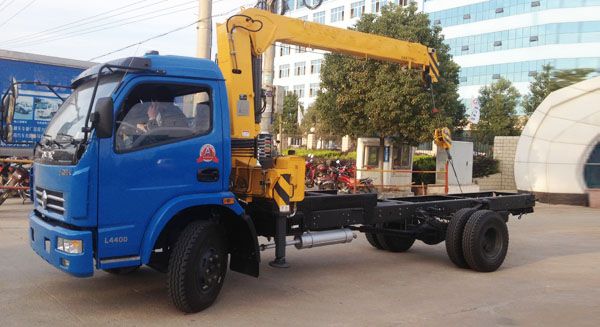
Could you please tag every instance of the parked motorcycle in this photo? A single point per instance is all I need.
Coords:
(17, 176)
(347, 182)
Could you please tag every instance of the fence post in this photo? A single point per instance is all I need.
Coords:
(446, 178)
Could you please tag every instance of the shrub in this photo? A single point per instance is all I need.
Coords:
(325, 155)
(423, 162)
(484, 166)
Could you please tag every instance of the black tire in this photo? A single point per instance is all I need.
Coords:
(122, 270)
(485, 241)
(372, 238)
(454, 236)
(197, 267)
(395, 243)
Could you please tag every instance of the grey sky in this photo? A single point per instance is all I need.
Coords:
(94, 36)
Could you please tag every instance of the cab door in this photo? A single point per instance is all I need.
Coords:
(152, 160)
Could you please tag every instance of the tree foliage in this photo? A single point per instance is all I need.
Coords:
(498, 117)
(286, 121)
(373, 98)
(550, 80)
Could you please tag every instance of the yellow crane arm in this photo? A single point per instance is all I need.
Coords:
(248, 34)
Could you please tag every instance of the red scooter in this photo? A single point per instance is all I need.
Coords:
(311, 172)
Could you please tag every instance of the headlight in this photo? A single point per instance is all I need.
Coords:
(69, 246)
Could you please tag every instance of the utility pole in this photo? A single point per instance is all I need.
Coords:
(204, 42)
(267, 78)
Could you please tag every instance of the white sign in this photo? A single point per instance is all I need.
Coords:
(474, 116)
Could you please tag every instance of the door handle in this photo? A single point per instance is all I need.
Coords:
(208, 175)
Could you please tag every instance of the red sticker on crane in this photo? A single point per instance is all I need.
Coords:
(207, 154)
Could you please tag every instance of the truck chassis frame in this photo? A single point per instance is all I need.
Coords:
(424, 218)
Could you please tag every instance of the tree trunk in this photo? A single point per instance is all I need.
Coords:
(381, 157)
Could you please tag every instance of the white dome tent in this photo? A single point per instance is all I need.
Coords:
(558, 154)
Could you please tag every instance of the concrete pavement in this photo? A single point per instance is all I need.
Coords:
(551, 277)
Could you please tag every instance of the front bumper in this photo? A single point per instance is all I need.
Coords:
(43, 238)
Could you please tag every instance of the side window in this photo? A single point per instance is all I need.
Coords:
(158, 114)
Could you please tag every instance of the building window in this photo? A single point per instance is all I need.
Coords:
(462, 79)
(284, 50)
(499, 10)
(533, 38)
(437, 22)
(372, 156)
(535, 3)
(300, 49)
(403, 3)
(299, 4)
(299, 91)
(532, 73)
(313, 90)
(467, 16)
(284, 71)
(315, 66)
(497, 43)
(304, 18)
(401, 158)
(376, 5)
(300, 68)
(290, 4)
(357, 9)
(464, 48)
(319, 17)
(496, 76)
(337, 14)
(591, 171)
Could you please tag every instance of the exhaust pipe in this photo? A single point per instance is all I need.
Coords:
(314, 239)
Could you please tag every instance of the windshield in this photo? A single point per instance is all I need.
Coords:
(70, 118)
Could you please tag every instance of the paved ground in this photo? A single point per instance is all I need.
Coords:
(551, 277)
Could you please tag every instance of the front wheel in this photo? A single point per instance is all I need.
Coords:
(197, 267)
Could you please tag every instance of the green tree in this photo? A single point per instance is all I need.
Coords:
(550, 80)
(565, 77)
(286, 122)
(538, 90)
(365, 98)
(498, 117)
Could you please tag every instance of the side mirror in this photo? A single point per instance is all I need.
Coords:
(102, 119)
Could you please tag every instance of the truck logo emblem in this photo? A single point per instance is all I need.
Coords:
(48, 155)
(44, 200)
(208, 154)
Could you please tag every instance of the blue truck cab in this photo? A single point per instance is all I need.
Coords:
(140, 148)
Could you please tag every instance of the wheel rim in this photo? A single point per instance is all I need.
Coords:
(491, 243)
(209, 274)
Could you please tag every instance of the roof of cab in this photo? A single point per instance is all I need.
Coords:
(169, 65)
(186, 66)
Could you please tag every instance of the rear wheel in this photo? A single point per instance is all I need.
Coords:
(395, 243)
(485, 241)
(197, 267)
(454, 236)
(372, 239)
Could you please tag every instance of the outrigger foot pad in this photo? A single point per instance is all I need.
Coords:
(279, 263)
